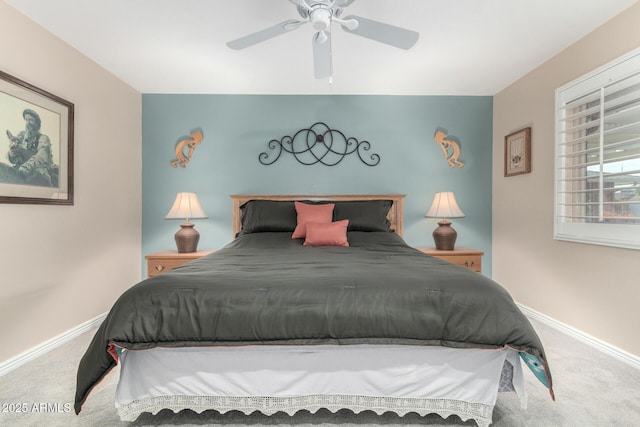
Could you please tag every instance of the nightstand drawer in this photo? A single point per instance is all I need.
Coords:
(472, 262)
(161, 262)
(469, 258)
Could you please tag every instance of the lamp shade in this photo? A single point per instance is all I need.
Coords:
(186, 207)
(444, 206)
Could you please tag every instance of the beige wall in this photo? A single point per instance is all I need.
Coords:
(595, 289)
(63, 265)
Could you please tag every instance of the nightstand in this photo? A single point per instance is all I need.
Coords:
(469, 258)
(160, 262)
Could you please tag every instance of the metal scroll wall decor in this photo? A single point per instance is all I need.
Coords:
(450, 147)
(319, 144)
(188, 143)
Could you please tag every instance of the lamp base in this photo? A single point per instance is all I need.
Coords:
(445, 236)
(187, 238)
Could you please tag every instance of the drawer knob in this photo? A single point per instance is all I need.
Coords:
(159, 267)
(469, 263)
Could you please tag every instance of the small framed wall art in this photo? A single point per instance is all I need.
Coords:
(517, 152)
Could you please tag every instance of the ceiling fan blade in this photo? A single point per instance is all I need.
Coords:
(383, 33)
(322, 54)
(266, 34)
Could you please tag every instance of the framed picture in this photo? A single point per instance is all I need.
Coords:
(36, 145)
(517, 152)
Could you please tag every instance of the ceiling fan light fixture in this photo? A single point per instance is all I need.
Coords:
(320, 18)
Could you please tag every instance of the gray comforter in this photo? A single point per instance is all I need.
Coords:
(266, 288)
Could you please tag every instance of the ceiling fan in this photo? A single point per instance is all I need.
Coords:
(321, 13)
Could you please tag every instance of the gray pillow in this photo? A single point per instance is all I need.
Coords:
(364, 215)
(259, 216)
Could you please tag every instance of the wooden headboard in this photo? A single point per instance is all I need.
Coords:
(395, 216)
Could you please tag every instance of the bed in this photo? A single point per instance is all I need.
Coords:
(317, 302)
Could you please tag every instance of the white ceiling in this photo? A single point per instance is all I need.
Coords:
(466, 47)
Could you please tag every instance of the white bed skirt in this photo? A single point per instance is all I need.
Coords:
(270, 379)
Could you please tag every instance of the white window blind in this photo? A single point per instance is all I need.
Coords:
(597, 194)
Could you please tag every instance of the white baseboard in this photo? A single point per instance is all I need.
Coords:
(605, 347)
(51, 344)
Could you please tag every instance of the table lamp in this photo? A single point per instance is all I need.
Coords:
(186, 207)
(444, 206)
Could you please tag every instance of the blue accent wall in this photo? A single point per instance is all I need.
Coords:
(237, 128)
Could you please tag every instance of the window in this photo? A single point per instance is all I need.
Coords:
(597, 192)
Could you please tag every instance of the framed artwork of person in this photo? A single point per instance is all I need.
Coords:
(36, 145)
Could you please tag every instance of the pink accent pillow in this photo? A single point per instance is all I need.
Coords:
(311, 213)
(327, 234)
